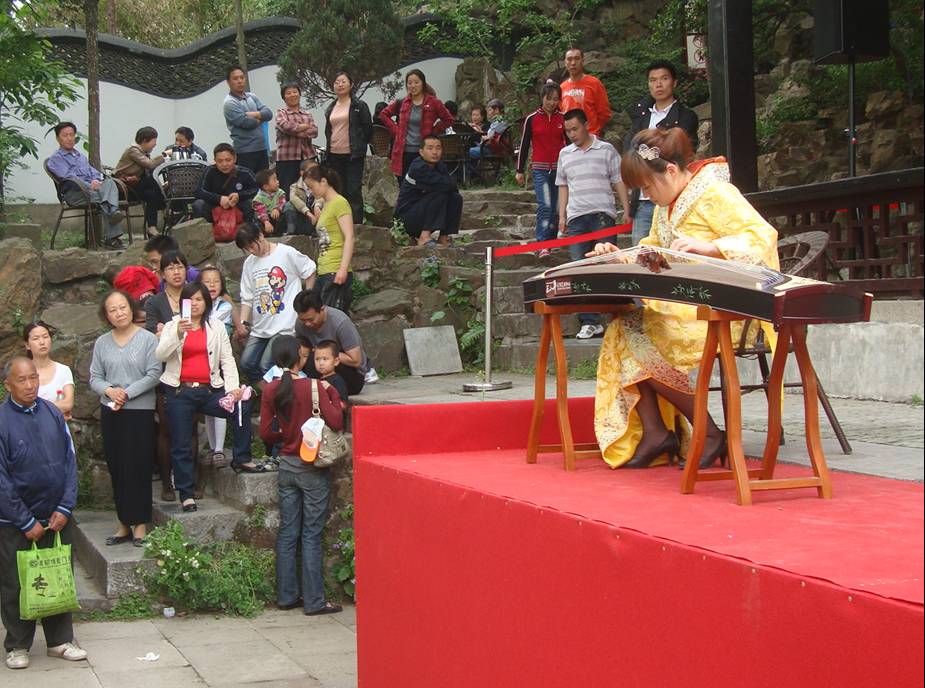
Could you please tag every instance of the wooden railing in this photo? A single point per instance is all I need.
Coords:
(874, 225)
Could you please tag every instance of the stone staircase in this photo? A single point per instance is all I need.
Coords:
(499, 218)
(241, 507)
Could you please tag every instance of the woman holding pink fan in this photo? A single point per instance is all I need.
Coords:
(200, 376)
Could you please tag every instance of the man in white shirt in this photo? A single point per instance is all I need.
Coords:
(587, 174)
(272, 276)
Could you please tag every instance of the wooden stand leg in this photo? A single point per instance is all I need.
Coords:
(565, 427)
(774, 393)
(811, 412)
(539, 392)
(701, 394)
(734, 416)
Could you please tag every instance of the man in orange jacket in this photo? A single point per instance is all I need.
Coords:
(585, 92)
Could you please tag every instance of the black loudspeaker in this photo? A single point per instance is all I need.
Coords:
(846, 28)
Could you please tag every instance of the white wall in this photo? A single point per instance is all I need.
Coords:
(123, 111)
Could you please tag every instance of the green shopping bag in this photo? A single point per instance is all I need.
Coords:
(46, 581)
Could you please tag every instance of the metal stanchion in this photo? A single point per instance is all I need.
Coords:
(487, 385)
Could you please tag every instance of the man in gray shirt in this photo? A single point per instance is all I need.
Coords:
(588, 174)
(245, 115)
(318, 323)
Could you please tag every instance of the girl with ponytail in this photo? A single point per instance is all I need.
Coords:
(304, 490)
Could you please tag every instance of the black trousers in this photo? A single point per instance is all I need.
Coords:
(149, 191)
(440, 210)
(129, 461)
(256, 161)
(287, 171)
(19, 634)
(350, 171)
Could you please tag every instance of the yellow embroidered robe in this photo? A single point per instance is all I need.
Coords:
(664, 340)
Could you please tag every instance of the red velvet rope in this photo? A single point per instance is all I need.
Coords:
(555, 243)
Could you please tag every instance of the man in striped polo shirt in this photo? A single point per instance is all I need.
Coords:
(588, 174)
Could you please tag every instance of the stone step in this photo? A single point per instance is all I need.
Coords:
(114, 570)
(212, 521)
(90, 595)
(489, 221)
(516, 326)
(507, 195)
(242, 490)
(482, 206)
(521, 355)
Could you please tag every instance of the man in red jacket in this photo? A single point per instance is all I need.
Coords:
(544, 131)
(584, 92)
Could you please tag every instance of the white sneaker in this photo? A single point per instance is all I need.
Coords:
(588, 331)
(68, 651)
(543, 252)
(372, 376)
(17, 659)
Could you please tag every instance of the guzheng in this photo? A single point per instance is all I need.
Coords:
(753, 291)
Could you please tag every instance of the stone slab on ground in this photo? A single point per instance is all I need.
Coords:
(113, 568)
(432, 350)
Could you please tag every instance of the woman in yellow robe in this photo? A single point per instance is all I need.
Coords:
(643, 383)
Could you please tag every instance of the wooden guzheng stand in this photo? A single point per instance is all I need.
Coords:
(810, 302)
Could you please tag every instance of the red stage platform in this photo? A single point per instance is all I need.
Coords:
(477, 570)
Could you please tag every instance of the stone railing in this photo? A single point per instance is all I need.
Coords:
(874, 225)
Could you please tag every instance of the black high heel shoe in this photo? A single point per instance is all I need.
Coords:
(670, 445)
(718, 453)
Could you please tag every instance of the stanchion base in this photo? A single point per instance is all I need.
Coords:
(487, 386)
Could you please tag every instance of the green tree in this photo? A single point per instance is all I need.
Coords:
(32, 87)
(363, 37)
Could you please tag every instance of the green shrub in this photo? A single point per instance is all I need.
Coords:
(231, 577)
(344, 551)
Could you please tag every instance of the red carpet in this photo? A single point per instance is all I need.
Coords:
(477, 569)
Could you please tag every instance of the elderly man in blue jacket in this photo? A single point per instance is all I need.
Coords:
(245, 115)
(38, 491)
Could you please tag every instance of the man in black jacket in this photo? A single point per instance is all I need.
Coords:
(428, 200)
(661, 110)
(225, 184)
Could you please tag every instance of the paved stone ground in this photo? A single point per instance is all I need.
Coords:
(275, 650)
(290, 650)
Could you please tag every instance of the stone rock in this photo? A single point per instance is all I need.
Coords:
(428, 302)
(304, 244)
(384, 343)
(886, 149)
(73, 263)
(704, 111)
(74, 319)
(23, 230)
(883, 104)
(232, 258)
(384, 305)
(705, 137)
(196, 239)
(782, 68)
(476, 81)
(766, 84)
(380, 191)
(20, 289)
(133, 255)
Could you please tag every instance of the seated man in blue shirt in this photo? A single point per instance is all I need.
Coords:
(225, 184)
(428, 199)
(81, 179)
(38, 492)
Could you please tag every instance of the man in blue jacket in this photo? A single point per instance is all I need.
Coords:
(38, 491)
(245, 115)
(428, 199)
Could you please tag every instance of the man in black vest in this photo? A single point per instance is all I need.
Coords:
(661, 110)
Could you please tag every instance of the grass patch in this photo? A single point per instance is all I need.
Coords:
(585, 370)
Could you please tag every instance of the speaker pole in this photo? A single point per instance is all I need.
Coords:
(852, 128)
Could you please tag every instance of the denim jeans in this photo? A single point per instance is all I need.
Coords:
(547, 202)
(585, 224)
(257, 357)
(303, 507)
(642, 222)
(183, 403)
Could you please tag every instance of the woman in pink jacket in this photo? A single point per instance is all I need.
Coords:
(420, 113)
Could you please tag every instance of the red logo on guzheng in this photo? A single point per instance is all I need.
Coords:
(558, 287)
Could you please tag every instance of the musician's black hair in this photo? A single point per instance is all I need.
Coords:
(673, 146)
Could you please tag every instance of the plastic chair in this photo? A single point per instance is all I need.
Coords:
(180, 179)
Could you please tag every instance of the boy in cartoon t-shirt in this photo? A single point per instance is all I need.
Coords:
(271, 277)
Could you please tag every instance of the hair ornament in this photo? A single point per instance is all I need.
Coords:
(648, 153)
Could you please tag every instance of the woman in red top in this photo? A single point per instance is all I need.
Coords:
(420, 113)
(304, 490)
(544, 129)
(200, 371)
